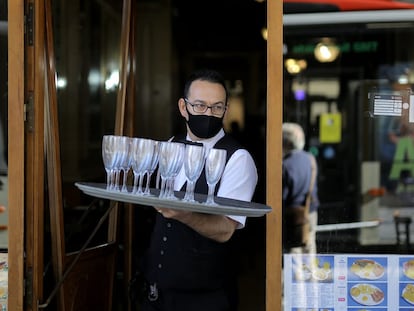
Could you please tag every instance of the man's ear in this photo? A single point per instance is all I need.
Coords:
(182, 108)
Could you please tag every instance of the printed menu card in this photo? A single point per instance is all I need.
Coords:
(348, 282)
(4, 271)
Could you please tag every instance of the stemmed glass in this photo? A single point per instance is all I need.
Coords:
(164, 166)
(214, 167)
(193, 165)
(170, 162)
(109, 153)
(178, 160)
(124, 160)
(142, 150)
(151, 169)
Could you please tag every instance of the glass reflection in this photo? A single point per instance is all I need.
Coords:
(366, 161)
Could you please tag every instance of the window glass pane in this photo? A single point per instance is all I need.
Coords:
(366, 166)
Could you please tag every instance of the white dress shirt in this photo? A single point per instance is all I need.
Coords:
(239, 178)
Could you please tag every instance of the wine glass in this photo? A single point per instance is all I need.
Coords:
(121, 149)
(177, 163)
(163, 165)
(109, 154)
(193, 165)
(151, 169)
(170, 161)
(123, 161)
(214, 167)
(142, 150)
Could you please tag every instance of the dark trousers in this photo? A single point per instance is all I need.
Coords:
(169, 300)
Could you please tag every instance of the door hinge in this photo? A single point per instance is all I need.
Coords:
(29, 24)
(29, 112)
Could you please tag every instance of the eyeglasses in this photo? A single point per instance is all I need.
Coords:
(200, 107)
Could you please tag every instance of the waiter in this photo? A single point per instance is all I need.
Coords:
(187, 266)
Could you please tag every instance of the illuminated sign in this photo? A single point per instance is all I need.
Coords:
(345, 47)
(330, 125)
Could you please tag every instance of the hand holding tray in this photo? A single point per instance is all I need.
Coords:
(224, 206)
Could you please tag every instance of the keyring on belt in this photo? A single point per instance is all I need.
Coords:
(153, 292)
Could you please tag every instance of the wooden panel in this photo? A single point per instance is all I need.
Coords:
(16, 152)
(86, 284)
(52, 141)
(34, 166)
(90, 283)
(274, 155)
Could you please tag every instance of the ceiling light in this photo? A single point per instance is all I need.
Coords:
(326, 51)
(295, 66)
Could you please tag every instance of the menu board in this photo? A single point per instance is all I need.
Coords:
(4, 271)
(348, 282)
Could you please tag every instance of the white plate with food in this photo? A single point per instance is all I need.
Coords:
(408, 293)
(408, 269)
(321, 274)
(367, 294)
(367, 269)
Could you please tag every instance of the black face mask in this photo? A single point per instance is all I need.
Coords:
(204, 126)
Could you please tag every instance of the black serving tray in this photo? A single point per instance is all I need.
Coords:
(224, 206)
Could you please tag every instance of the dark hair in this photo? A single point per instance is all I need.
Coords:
(205, 75)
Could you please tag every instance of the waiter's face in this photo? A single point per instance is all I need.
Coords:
(204, 93)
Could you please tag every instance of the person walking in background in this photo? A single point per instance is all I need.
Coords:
(296, 181)
(187, 265)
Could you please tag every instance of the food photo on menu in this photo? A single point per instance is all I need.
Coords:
(406, 287)
(367, 294)
(406, 269)
(367, 284)
(312, 268)
(367, 269)
(316, 309)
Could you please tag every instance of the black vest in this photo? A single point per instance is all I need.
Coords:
(180, 258)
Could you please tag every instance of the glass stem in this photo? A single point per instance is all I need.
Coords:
(108, 180)
(124, 187)
(112, 182)
(210, 196)
(141, 178)
(192, 186)
(189, 191)
(162, 190)
(136, 177)
(170, 190)
(147, 186)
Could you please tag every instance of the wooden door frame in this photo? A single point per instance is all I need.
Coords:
(16, 151)
(274, 117)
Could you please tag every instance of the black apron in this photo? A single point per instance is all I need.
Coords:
(181, 260)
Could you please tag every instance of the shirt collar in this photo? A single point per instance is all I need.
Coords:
(209, 142)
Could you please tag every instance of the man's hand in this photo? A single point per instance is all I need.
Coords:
(173, 213)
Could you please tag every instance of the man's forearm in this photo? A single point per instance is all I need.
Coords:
(216, 227)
